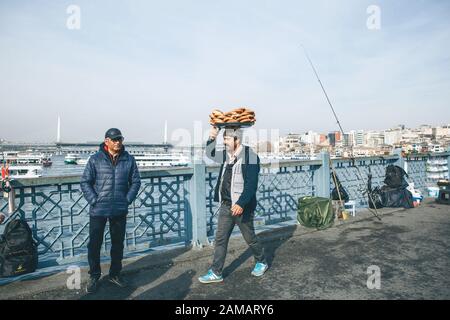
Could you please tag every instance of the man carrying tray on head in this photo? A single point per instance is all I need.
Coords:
(236, 191)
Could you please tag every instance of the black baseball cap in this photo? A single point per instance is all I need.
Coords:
(113, 133)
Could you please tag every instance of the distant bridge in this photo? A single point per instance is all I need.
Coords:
(77, 147)
(128, 144)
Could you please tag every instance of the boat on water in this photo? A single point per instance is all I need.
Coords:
(286, 157)
(26, 158)
(47, 162)
(152, 160)
(83, 161)
(24, 172)
(71, 158)
(29, 158)
(143, 160)
(301, 156)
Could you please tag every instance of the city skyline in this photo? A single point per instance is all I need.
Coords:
(286, 133)
(135, 65)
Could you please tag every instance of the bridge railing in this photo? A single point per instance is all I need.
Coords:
(58, 214)
(424, 170)
(354, 175)
(176, 205)
(279, 187)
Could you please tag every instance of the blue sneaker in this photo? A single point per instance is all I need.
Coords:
(210, 277)
(259, 269)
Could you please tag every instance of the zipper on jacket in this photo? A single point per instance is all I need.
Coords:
(114, 186)
(220, 184)
(113, 167)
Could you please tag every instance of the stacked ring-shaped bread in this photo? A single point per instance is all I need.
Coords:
(242, 115)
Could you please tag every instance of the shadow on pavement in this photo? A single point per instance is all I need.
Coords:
(141, 274)
(177, 288)
(270, 248)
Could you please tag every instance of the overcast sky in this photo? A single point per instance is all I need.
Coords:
(135, 64)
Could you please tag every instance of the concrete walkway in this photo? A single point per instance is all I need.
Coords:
(411, 248)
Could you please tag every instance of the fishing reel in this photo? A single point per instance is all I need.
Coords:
(5, 186)
(9, 193)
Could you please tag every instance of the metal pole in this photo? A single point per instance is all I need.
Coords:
(11, 201)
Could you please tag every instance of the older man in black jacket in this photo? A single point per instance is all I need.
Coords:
(110, 183)
(236, 191)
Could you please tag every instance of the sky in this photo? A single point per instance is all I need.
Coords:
(135, 64)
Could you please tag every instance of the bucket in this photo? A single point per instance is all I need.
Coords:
(345, 215)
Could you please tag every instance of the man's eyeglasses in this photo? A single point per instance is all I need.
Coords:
(116, 139)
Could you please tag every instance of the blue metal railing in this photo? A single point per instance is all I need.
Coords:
(416, 167)
(423, 170)
(58, 214)
(354, 176)
(279, 187)
(176, 205)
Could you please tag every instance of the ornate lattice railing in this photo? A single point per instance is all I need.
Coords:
(354, 176)
(426, 169)
(279, 187)
(416, 167)
(176, 205)
(58, 213)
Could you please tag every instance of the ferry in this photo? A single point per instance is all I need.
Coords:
(22, 172)
(83, 161)
(302, 156)
(28, 158)
(71, 158)
(151, 160)
(47, 162)
(286, 157)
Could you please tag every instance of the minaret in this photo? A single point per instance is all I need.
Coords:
(58, 132)
(165, 132)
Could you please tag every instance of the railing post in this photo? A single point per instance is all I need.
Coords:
(197, 200)
(448, 162)
(322, 177)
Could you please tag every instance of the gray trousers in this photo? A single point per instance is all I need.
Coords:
(225, 225)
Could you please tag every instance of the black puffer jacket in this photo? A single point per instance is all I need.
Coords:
(109, 188)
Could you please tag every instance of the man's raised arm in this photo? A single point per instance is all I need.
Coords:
(218, 157)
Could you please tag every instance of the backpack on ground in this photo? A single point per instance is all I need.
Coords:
(395, 177)
(394, 194)
(18, 251)
(342, 194)
(396, 197)
(315, 212)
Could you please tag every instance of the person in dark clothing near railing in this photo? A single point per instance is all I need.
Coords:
(110, 183)
(236, 192)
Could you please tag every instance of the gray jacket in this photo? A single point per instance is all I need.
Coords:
(244, 178)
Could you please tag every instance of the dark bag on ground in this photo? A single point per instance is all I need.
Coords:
(389, 196)
(315, 212)
(395, 177)
(18, 251)
(396, 197)
(334, 194)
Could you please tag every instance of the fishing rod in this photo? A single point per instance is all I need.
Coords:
(340, 128)
(323, 89)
